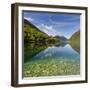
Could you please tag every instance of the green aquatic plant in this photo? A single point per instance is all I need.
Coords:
(51, 67)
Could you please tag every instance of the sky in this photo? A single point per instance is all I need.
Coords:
(61, 24)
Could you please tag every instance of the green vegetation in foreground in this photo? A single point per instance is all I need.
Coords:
(75, 41)
(32, 34)
(51, 67)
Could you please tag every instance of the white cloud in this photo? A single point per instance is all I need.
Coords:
(29, 19)
(49, 30)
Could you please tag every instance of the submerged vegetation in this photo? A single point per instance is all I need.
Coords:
(51, 67)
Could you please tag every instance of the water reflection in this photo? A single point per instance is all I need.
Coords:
(56, 52)
(37, 52)
(50, 60)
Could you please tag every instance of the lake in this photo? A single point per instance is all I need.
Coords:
(52, 60)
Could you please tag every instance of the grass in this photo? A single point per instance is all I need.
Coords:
(51, 67)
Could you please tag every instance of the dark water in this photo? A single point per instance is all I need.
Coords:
(51, 60)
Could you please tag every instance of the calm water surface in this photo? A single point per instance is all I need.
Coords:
(66, 52)
(51, 61)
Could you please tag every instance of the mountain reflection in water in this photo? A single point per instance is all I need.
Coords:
(36, 52)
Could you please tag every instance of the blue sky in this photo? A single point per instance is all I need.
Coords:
(53, 24)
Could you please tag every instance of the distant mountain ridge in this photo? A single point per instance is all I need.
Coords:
(61, 38)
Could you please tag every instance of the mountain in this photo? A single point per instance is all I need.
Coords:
(35, 40)
(76, 36)
(61, 38)
(75, 41)
(33, 34)
(27, 23)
